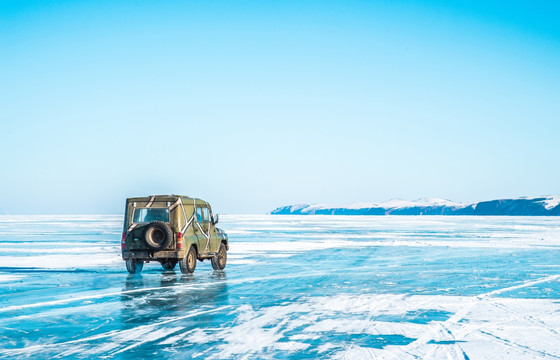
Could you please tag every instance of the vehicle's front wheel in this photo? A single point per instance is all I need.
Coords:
(188, 263)
(134, 266)
(219, 261)
(169, 264)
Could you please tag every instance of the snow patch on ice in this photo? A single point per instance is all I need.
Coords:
(9, 277)
(60, 261)
(242, 262)
(355, 352)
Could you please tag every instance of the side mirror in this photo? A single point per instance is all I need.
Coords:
(215, 219)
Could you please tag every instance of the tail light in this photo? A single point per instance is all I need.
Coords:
(179, 241)
(123, 239)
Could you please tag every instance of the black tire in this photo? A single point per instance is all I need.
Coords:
(219, 261)
(134, 266)
(169, 264)
(158, 235)
(188, 263)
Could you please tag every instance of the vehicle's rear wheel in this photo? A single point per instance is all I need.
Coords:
(188, 263)
(169, 264)
(219, 261)
(134, 266)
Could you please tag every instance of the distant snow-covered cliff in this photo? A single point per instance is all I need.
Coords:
(525, 206)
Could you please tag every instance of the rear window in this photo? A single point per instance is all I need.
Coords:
(147, 215)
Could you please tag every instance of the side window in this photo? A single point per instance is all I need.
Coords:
(206, 214)
(199, 214)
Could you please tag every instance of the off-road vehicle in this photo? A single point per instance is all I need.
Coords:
(170, 229)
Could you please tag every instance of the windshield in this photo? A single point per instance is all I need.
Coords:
(147, 215)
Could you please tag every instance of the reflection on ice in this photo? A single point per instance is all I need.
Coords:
(176, 293)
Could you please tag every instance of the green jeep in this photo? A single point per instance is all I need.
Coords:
(171, 229)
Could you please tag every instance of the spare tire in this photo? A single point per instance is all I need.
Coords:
(158, 235)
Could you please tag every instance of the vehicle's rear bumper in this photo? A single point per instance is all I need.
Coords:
(147, 255)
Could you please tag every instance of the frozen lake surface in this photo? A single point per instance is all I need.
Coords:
(295, 287)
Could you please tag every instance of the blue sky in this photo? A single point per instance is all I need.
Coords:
(254, 105)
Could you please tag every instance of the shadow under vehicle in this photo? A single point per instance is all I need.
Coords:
(172, 229)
